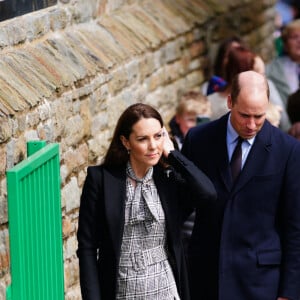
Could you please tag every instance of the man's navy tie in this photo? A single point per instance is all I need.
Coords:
(236, 160)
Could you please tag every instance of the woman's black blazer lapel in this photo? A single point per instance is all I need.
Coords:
(165, 191)
(114, 198)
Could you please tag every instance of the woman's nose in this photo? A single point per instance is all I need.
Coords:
(152, 143)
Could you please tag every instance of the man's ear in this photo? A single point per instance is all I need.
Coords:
(229, 102)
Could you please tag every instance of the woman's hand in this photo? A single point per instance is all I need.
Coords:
(168, 144)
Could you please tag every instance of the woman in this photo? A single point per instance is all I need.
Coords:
(239, 59)
(217, 82)
(275, 98)
(129, 244)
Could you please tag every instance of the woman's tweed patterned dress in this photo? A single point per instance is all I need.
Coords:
(144, 269)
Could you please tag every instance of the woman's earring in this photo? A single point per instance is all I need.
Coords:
(128, 151)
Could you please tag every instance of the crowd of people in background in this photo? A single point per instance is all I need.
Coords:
(283, 73)
(284, 69)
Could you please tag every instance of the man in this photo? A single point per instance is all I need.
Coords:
(284, 70)
(247, 245)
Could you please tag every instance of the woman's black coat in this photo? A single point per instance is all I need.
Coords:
(101, 221)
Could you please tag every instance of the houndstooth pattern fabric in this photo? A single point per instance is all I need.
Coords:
(154, 281)
(142, 196)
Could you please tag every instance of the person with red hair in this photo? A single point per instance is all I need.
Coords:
(239, 59)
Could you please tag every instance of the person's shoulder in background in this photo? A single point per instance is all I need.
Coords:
(293, 107)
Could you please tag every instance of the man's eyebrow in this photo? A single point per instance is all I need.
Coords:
(249, 115)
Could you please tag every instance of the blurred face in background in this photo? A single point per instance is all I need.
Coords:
(186, 121)
(192, 106)
(292, 44)
(233, 45)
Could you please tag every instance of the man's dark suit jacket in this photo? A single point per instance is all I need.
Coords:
(101, 221)
(248, 245)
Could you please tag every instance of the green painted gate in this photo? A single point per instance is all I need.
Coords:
(35, 226)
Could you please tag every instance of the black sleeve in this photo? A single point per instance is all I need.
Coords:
(199, 184)
(87, 236)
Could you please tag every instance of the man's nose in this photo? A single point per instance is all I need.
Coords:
(251, 124)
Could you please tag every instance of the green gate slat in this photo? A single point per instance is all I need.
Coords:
(35, 227)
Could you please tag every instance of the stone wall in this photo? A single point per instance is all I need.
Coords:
(68, 71)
